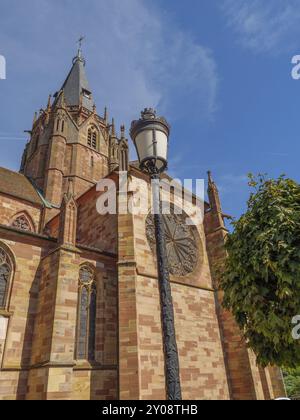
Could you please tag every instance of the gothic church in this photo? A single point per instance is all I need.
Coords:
(79, 299)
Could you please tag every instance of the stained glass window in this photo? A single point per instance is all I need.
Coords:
(92, 323)
(86, 336)
(82, 332)
(5, 275)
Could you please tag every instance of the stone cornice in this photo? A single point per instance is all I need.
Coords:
(97, 251)
(23, 233)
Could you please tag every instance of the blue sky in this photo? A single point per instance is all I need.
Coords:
(218, 70)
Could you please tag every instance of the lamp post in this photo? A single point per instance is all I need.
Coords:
(150, 135)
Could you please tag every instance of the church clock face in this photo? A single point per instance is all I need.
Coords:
(181, 243)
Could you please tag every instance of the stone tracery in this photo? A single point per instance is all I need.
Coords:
(5, 275)
(181, 243)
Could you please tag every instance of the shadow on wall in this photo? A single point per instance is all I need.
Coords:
(28, 337)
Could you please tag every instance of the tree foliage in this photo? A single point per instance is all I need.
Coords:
(292, 382)
(261, 281)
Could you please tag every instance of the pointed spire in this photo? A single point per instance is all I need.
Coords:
(213, 194)
(113, 128)
(76, 87)
(210, 180)
(34, 118)
(49, 103)
(105, 115)
(123, 132)
(63, 102)
(217, 219)
(48, 110)
(123, 151)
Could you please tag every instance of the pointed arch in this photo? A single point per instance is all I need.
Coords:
(93, 137)
(61, 119)
(23, 221)
(7, 270)
(86, 313)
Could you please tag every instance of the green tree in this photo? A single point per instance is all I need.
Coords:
(261, 281)
(292, 382)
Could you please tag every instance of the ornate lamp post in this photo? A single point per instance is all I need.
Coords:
(150, 135)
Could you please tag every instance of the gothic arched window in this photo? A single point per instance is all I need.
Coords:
(86, 322)
(92, 138)
(6, 270)
(60, 122)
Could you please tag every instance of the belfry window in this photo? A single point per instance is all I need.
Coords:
(92, 138)
(5, 276)
(86, 322)
(86, 93)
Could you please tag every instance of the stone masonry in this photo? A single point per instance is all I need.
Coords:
(80, 315)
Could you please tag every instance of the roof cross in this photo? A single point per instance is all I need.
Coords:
(79, 42)
(82, 38)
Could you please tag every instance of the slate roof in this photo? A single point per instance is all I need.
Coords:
(17, 185)
(76, 84)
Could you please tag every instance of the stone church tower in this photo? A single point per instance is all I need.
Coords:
(69, 140)
(79, 299)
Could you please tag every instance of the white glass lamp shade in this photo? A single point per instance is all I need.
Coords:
(152, 145)
(150, 136)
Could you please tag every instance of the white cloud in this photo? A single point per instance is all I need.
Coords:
(147, 61)
(232, 183)
(264, 25)
(136, 56)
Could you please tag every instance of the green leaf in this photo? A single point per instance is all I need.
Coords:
(261, 280)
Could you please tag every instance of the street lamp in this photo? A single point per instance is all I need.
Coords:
(150, 135)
